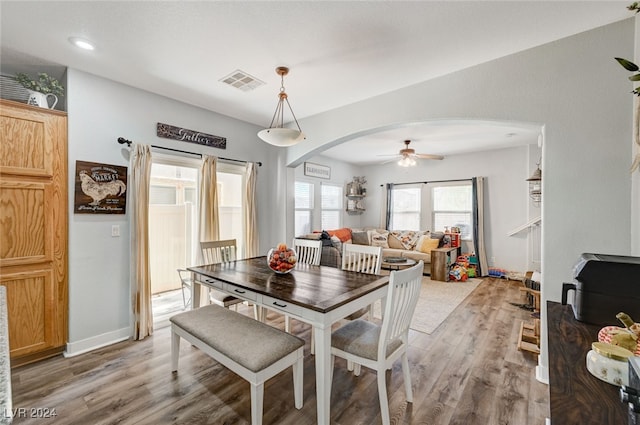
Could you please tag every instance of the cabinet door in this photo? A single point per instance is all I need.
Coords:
(33, 229)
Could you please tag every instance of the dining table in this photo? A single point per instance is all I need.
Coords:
(317, 295)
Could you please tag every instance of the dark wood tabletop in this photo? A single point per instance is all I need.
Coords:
(319, 288)
(576, 397)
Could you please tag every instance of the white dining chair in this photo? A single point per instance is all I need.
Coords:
(379, 346)
(222, 251)
(362, 259)
(308, 252)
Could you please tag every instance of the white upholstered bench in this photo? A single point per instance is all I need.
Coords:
(251, 349)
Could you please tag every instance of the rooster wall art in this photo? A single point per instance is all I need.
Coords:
(100, 190)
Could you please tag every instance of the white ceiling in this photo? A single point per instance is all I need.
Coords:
(338, 52)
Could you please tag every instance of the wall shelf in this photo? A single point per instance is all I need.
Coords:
(355, 194)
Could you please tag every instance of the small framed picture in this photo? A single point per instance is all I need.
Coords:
(317, 170)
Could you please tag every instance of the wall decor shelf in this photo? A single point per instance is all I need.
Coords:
(355, 193)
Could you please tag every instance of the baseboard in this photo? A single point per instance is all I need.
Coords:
(542, 374)
(99, 341)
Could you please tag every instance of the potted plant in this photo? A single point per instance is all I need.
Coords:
(45, 83)
(630, 66)
(41, 89)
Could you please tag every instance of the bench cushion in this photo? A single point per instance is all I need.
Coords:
(252, 344)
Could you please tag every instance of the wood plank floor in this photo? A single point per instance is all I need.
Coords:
(468, 371)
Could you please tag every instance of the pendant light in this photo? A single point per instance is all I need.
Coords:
(277, 134)
(535, 186)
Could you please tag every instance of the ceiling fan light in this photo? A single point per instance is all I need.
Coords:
(281, 136)
(407, 161)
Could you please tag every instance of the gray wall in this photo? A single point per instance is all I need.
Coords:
(100, 111)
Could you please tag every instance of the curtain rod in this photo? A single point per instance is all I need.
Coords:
(433, 181)
(122, 141)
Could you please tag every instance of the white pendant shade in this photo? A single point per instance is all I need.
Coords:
(277, 134)
(281, 136)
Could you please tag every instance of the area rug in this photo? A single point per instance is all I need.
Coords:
(437, 301)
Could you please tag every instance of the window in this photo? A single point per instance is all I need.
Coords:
(162, 195)
(303, 207)
(405, 208)
(173, 216)
(451, 206)
(331, 204)
(230, 188)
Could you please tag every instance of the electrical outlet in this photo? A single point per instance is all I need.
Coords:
(115, 231)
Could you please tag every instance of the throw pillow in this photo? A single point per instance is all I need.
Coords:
(380, 239)
(439, 236)
(427, 244)
(360, 238)
(313, 236)
(408, 238)
(394, 242)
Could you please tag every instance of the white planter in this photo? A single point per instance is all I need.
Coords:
(42, 100)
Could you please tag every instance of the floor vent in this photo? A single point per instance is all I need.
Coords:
(241, 80)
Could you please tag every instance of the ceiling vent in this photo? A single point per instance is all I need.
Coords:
(241, 80)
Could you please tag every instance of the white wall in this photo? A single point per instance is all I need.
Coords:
(99, 112)
(507, 202)
(341, 173)
(578, 92)
(506, 196)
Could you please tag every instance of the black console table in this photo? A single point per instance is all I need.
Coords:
(575, 396)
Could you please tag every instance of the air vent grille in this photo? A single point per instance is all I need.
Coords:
(241, 80)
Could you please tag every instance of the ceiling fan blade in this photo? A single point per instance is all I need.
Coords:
(389, 154)
(428, 156)
(388, 161)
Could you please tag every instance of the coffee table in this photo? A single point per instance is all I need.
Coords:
(396, 265)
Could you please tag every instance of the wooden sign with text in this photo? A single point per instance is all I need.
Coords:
(184, 135)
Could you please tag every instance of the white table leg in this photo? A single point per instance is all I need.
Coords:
(323, 368)
(195, 294)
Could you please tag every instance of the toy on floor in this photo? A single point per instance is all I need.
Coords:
(458, 273)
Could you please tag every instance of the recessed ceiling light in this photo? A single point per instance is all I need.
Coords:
(81, 43)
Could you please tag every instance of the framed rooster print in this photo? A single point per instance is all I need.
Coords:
(100, 188)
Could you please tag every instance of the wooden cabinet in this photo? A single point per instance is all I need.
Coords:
(33, 229)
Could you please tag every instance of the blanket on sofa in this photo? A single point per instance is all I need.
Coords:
(408, 238)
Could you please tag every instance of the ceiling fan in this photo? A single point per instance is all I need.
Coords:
(407, 156)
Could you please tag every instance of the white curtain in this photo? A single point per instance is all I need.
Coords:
(209, 221)
(478, 225)
(250, 214)
(140, 165)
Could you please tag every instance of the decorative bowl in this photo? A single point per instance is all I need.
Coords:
(609, 363)
(282, 259)
(606, 334)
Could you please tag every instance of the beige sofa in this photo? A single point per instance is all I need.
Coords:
(409, 244)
